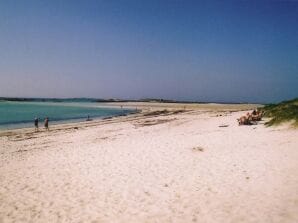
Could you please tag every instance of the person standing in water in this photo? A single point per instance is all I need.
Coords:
(36, 124)
(46, 123)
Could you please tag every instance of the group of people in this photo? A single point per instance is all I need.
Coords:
(46, 123)
(251, 118)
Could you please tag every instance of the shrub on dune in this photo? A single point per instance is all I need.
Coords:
(285, 111)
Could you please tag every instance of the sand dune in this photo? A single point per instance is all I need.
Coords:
(166, 168)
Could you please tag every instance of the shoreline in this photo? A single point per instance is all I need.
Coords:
(140, 108)
(63, 126)
(21, 121)
(28, 125)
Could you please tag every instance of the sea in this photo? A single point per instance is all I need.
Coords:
(22, 114)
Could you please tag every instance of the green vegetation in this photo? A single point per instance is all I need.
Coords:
(283, 112)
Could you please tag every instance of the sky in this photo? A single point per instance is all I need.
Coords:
(213, 51)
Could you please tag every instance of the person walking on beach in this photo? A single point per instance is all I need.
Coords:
(46, 123)
(36, 124)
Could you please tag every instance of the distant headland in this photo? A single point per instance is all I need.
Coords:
(101, 100)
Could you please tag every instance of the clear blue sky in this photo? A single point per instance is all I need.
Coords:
(187, 50)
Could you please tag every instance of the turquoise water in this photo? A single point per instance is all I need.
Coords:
(22, 114)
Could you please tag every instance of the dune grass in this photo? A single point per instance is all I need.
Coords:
(285, 111)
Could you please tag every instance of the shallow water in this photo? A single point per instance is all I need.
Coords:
(22, 114)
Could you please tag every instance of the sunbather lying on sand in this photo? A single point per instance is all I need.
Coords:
(244, 120)
(248, 119)
(257, 116)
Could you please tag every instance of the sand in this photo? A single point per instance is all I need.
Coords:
(173, 167)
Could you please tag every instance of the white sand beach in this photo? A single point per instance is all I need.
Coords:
(173, 167)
